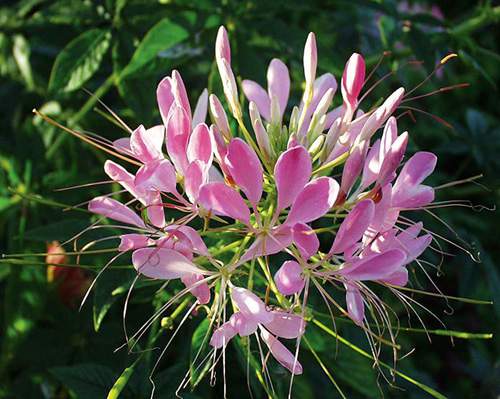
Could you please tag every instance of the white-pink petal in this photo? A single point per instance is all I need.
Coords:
(305, 239)
(254, 92)
(289, 279)
(223, 201)
(281, 353)
(245, 168)
(163, 264)
(314, 201)
(353, 226)
(292, 171)
(286, 325)
(250, 305)
(114, 210)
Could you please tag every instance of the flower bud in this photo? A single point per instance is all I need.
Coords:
(317, 145)
(353, 79)
(260, 132)
(230, 88)
(310, 62)
(222, 46)
(219, 116)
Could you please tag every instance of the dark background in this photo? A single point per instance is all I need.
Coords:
(50, 50)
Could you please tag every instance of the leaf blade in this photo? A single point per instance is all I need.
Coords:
(79, 60)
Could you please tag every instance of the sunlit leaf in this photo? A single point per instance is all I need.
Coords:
(79, 60)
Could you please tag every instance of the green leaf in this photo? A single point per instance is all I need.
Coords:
(122, 381)
(86, 381)
(21, 51)
(160, 37)
(79, 60)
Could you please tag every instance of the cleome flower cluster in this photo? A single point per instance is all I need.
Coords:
(269, 189)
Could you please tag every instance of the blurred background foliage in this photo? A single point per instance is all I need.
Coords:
(120, 49)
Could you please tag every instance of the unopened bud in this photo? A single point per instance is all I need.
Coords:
(219, 116)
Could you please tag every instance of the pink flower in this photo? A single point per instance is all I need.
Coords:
(253, 315)
(270, 194)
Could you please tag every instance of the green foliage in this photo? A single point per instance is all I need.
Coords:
(79, 60)
(120, 49)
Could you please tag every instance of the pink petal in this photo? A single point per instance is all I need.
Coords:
(314, 201)
(223, 200)
(286, 325)
(250, 305)
(415, 247)
(178, 131)
(416, 169)
(143, 146)
(399, 277)
(278, 239)
(244, 326)
(392, 160)
(178, 241)
(120, 175)
(155, 210)
(306, 240)
(134, 241)
(200, 290)
(372, 165)
(281, 353)
(254, 92)
(222, 336)
(196, 176)
(200, 145)
(245, 168)
(289, 278)
(165, 98)
(156, 176)
(353, 226)
(123, 145)
(180, 93)
(375, 267)
(113, 209)
(201, 108)
(381, 114)
(353, 79)
(222, 47)
(292, 171)
(407, 191)
(353, 167)
(355, 305)
(164, 264)
(389, 136)
(196, 241)
(278, 83)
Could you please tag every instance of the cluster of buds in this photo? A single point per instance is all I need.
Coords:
(261, 193)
